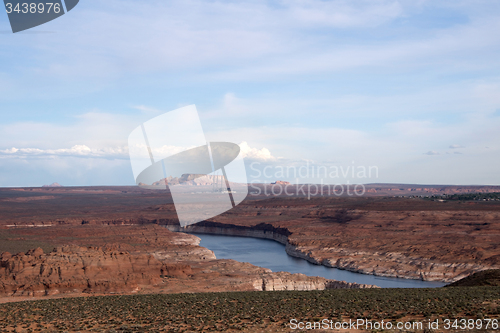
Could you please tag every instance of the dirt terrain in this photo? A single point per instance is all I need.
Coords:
(97, 229)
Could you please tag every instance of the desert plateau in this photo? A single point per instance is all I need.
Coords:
(61, 246)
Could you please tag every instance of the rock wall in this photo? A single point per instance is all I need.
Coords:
(220, 229)
(271, 281)
(381, 264)
(287, 281)
(74, 269)
(386, 264)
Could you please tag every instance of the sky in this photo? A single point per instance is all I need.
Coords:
(410, 89)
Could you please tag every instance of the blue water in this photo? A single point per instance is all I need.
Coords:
(271, 254)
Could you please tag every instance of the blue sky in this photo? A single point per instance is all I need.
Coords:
(411, 87)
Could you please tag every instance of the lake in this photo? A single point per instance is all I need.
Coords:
(271, 254)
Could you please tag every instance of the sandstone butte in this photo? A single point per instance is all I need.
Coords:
(378, 234)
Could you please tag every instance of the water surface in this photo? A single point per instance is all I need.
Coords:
(271, 254)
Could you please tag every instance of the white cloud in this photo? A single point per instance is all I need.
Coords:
(114, 47)
(262, 154)
(95, 129)
(277, 40)
(75, 151)
(264, 126)
(456, 146)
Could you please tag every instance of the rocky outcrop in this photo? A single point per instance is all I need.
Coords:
(71, 269)
(189, 179)
(194, 253)
(287, 281)
(180, 265)
(387, 264)
(53, 185)
(280, 182)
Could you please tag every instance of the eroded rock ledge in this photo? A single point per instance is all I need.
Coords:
(77, 269)
(387, 264)
(288, 281)
(74, 270)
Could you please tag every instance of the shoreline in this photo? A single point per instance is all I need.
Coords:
(280, 235)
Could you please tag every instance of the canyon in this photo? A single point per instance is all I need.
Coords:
(72, 240)
(387, 264)
(133, 259)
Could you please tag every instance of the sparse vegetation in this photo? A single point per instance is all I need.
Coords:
(345, 215)
(252, 311)
(11, 241)
(494, 196)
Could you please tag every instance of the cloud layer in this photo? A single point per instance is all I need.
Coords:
(75, 151)
(410, 86)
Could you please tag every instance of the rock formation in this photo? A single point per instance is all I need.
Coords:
(136, 259)
(190, 179)
(53, 185)
(366, 257)
(380, 233)
(287, 281)
(79, 269)
(280, 182)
